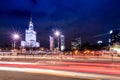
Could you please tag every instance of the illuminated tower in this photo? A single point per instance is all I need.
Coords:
(30, 33)
(30, 37)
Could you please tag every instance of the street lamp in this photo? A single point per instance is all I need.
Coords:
(15, 37)
(57, 33)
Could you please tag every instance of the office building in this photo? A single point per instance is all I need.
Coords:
(62, 41)
(76, 44)
(114, 37)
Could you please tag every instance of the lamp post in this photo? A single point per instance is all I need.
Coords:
(15, 37)
(57, 33)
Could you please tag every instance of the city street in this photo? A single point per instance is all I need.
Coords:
(59, 39)
(75, 69)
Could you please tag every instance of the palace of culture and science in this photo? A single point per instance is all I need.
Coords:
(30, 37)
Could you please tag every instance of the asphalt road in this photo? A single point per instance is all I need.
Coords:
(108, 70)
(11, 75)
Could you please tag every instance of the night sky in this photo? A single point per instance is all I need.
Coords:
(74, 18)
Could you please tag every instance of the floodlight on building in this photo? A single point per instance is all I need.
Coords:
(111, 31)
(99, 42)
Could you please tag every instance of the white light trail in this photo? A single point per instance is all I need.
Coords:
(61, 73)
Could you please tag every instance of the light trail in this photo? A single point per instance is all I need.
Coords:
(80, 68)
(89, 64)
(62, 73)
(5, 62)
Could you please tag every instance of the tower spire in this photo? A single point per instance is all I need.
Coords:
(31, 24)
(31, 18)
